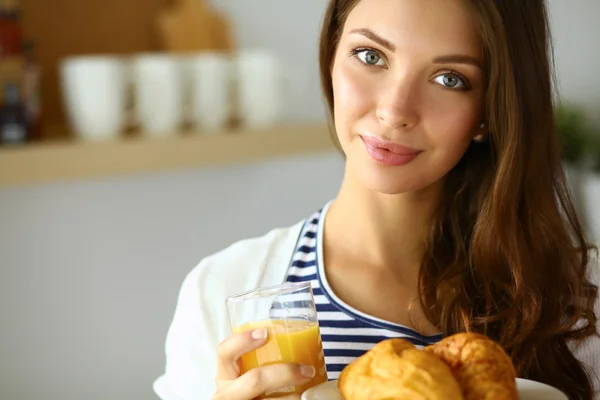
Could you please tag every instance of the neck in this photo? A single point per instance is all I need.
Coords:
(381, 230)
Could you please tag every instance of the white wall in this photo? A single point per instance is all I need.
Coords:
(576, 25)
(291, 29)
(89, 271)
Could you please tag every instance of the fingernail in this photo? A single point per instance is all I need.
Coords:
(259, 334)
(307, 371)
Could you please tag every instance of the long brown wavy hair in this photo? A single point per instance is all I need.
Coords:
(507, 257)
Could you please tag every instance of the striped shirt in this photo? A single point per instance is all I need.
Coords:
(346, 333)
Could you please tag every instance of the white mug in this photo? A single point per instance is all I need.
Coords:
(158, 93)
(94, 95)
(260, 88)
(210, 79)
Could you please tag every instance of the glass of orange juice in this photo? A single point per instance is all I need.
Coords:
(289, 314)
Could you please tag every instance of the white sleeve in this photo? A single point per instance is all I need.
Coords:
(201, 319)
(190, 346)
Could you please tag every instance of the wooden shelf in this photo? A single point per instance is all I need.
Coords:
(76, 160)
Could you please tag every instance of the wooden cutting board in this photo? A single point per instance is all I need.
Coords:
(191, 26)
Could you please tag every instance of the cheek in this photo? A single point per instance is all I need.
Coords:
(453, 122)
(352, 94)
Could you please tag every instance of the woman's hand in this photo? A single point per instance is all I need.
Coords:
(233, 386)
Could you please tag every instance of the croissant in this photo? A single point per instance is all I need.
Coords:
(396, 370)
(481, 366)
(465, 366)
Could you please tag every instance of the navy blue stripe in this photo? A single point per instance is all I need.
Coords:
(311, 234)
(352, 338)
(335, 367)
(330, 323)
(306, 249)
(366, 339)
(327, 307)
(295, 278)
(343, 352)
(304, 264)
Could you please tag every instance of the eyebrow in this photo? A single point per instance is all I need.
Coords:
(369, 34)
(446, 59)
(458, 59)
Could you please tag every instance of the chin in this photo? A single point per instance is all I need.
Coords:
(392, 180)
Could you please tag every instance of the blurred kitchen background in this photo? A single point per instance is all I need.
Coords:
(133, 142)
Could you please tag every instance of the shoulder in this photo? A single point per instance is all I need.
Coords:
(248, 259)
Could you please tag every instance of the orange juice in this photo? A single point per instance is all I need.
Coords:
(290, 341)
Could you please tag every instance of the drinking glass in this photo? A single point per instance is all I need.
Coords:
(289, 314)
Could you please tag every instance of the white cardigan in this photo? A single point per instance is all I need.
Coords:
(201, 319)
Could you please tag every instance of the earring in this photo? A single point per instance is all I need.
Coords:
(481, 138)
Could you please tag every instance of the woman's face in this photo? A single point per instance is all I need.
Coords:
(408, 91)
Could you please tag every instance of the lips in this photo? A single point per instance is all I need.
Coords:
(388, 153)
(393, 147)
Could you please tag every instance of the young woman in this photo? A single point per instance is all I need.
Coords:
(453, 214)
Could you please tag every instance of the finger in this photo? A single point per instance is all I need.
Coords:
(226, 396)
(257, 381)
(233, 348)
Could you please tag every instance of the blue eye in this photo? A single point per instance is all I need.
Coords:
(369, 57)
(451, 81)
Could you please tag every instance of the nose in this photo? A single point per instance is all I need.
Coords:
(398, 104)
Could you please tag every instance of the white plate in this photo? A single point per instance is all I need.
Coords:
(528, 390)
